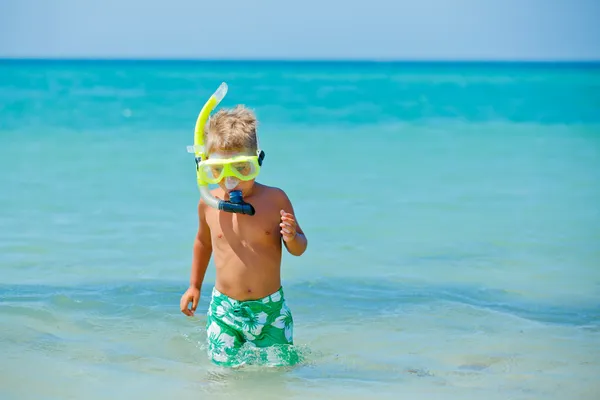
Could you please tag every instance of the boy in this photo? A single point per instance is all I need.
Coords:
(247, 303)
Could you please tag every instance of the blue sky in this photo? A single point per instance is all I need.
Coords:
(316, 29)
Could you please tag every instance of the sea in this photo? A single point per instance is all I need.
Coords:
(452, 211)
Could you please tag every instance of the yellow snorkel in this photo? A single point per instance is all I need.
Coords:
(210, 105)
(236, 204)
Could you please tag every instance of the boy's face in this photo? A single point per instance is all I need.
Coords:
(229, 184)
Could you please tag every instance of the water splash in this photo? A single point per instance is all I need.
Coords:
(283, 355)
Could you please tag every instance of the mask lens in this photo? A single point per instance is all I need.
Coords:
(216, 171)
(212, 173)
(244, 169)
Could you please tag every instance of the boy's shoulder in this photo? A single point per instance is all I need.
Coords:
(272, 192)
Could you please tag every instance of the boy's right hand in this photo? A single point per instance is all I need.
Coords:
(191, 295)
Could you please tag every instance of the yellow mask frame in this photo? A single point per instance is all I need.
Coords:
(214, 170)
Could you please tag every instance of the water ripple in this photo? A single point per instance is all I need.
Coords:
(343, 297)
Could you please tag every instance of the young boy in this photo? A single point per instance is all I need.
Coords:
(247, 303)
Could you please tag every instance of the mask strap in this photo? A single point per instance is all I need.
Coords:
(259, 152)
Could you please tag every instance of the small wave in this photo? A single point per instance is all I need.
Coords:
(343, 297)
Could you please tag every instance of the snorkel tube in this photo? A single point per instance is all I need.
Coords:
(236, 203)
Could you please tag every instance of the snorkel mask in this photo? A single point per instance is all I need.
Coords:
(214, 170)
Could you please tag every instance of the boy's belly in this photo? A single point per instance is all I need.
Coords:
(248, 273)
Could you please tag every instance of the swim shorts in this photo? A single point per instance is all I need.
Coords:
(260, 323)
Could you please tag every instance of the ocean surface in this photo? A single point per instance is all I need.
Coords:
(452, 212)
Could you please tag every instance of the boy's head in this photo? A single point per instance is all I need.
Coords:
(231, 130)
(230, 133)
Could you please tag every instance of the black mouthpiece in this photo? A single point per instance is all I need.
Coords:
(236, 204)
(236, 197)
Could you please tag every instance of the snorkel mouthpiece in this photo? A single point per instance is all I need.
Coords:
(236, 204)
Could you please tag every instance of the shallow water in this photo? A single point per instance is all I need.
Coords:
(452, 213)
(355, 336)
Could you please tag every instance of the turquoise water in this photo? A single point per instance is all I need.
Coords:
(452, 211)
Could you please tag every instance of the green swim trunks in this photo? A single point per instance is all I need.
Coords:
(260, 323)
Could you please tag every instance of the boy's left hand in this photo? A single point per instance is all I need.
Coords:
(288, 226)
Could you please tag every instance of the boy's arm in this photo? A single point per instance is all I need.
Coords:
(202, 249)
(200, 258)
(297, 243)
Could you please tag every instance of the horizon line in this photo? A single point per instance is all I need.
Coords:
(304, 60)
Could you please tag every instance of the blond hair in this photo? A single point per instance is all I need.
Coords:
(231, 130)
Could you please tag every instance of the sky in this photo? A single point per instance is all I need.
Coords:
(302, 29)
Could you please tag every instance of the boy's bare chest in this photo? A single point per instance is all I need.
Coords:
(263, 227)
